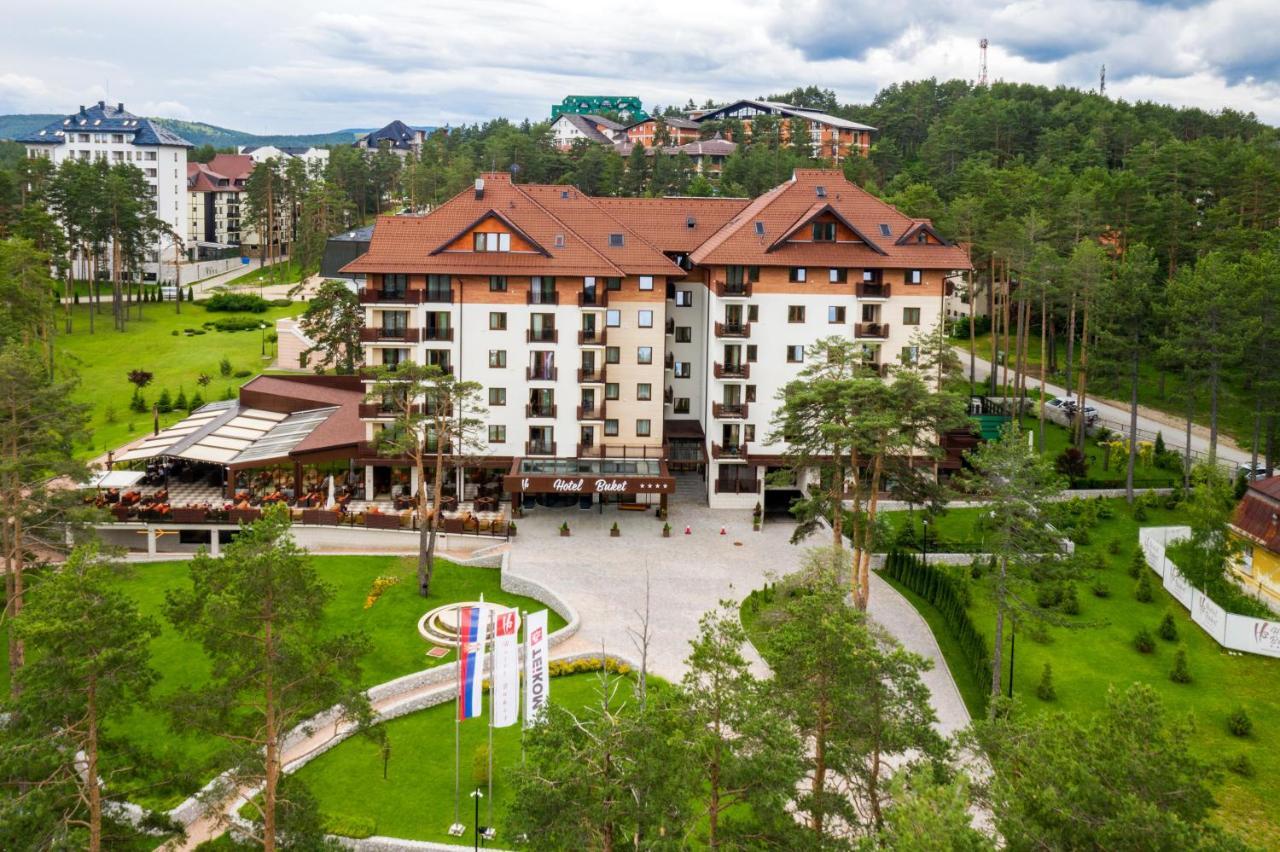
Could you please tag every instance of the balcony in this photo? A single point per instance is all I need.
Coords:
(438, 295)
(369, 410)
(730, 452)
(371, 296)
(731, 371)
(589, 299)
(671, 326)
(591, 377)
(729, 410)
(876, 330)
(435, 332)
(542, 297)
(541, 412)
(538, 374)
(390, 335)
(542, 335)
(738, 486)
(369, 373)
(539, 448)
(873, 290)
(592, 337)
(733, 329)
(595, 412)
(735, 290)
(669, 395)
(669, 363)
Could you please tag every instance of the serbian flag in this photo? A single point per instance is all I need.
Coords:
(472, 629)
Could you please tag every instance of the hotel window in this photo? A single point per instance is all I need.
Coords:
(612, 355)
(749, 433)
(796, 274)
(642, 428)
(753, 313)
(684, 334)
(497, 396)
(497, 434)
(492, 242)
(393, 286)
(612, 318)
(837, 276)
(613, 283)
(795, 354)
(497, 320)
(683, 369)
(497, 283)
(611, 390)
(913, 276)
(644, 354)
(684, 298)
(910, 316)
(835, 314)
(751, 353)
(868, 276)
(646, 282)
(611, 428)
(644, 319)
(644, 391)
(795, 313)
(497, 357)
(824, 232)
(681, 405)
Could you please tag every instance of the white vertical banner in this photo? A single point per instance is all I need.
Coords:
(537, 677)
(506, 670)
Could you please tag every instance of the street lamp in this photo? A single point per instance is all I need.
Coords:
(263, 327)
(924, 540)
(480, 829)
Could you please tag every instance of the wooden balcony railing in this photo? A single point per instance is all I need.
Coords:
(435, 332)
(595, 412)
(539, 448)
(542, 297)
(591, 377)
(873, 290)
(877, 330)
(738, 486)
(371, 372)
(374, 296)
(737, 290)
(594, 337)
(669, 362)
(597, 299)
(732, 371)
(733, 329)
(541, 375)
(390, 335)
(729, 410)
(671, 326)
(542, 335)
(445, 295)
(540, 411)
(729, 451)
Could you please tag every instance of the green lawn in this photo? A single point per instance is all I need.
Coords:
(104, 359)
(391, 625)
(285, 272)
(1099, 653)
(415, 801)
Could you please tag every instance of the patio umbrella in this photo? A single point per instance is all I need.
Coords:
(329, 505)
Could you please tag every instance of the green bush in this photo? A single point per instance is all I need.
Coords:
(1049, 595)
(279, 303)
(348, 825)
(224, 366)
(1240, 765)
(165, 402)
(197, 400)
(243, 374)
(1113, 547)
(1138, 564)
(1180, 673)
(1044, 689)
(1239, 723)
(234, 324)
(235, 302)
(1142, 592)
(1070, 604)
(180, 401)
(1168, 628)
(175, 332)
(1144, 641)
(1100, 589)
(480, 764)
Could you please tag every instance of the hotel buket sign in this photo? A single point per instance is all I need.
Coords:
(589, 484)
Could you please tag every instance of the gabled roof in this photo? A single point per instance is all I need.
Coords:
(1258, 514)
(397, 134)
(569, 226)
(676, 224)
(918, 226)
(102, 118)
(675, 121)
(818, 209)
(785, 207)
(224, 173)
(484, 217)
(589, 126)
(779, 108)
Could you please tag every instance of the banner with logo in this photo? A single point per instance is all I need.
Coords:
(473, 628)
(1211, 617)
(505, 672)
(1253, 635)
(538, 683)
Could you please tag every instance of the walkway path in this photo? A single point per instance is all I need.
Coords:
(1149, 420)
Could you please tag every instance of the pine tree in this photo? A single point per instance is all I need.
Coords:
(1045, 690)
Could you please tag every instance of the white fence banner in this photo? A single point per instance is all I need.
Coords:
(506, 670)
(1211, 617)
(1253, 635)
(1177, 585)
(537, 689)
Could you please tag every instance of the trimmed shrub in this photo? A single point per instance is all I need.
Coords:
(279, 303)
(236, 302)
(348, 825)
(180, 401)
(1100, 589)
(165, 402)
(1044, 689)
(1070, 604)
(1168, 628)
(1142, 592)
(1138, 564)
(1239, 723)
(196, 401)
(1113, 547)
(480, 764)
(234, 323)
(224, 366)
(242, 374)
(1180, 673)
(1144, 641)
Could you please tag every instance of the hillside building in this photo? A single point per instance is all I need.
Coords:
(833, 138)
(216, 194)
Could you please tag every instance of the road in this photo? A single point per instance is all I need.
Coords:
(1115, 415)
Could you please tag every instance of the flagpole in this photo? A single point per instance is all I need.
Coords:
(457, 715)
(524, 699)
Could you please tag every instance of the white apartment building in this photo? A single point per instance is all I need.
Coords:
(620, 341)
(111, 133)
(314, 157)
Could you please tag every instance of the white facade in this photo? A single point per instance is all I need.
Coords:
(318, 157)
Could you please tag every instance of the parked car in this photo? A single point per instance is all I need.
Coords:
(1259, 472)
(1063, 411)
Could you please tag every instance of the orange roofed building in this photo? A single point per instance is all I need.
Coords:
(622, 342)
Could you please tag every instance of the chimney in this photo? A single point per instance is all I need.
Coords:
(102, 104)
(82, 109)
(479, 188)
(120, 106)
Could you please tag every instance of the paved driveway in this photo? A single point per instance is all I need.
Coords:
(604, 578)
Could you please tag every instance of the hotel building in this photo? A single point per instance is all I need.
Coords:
(627, 340)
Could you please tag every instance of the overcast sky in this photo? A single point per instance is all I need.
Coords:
(293, 66)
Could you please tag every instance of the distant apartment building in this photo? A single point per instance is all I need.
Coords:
(621, 340)
(115, 135)
(397, 137)
(216, 193)
(679, 131)
(708, 155)
(834, 138)
(311, 155)
(626, 107)
(570, 128)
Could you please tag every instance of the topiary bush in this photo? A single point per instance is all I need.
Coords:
(1044, 689)
(1168, 628)
(1239, 723)
(1180, 673)
(1144, 641)
(165, 402)
(236, 302)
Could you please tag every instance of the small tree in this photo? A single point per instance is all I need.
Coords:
(1168, 628)
(436, 416)
(1142, 592)
(1180, 673)
(333, 320)
(140, 378)
(1044, 689)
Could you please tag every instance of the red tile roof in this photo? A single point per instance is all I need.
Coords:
(224, 173)
(664, 222)
(1258, 514)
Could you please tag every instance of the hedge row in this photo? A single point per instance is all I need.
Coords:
(939, 589)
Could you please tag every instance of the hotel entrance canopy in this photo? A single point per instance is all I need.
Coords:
(589, 476)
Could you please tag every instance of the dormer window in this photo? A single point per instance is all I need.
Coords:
(922, 238)
(824, 232)
(821, 191)
(492, 242)
(885, 230)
